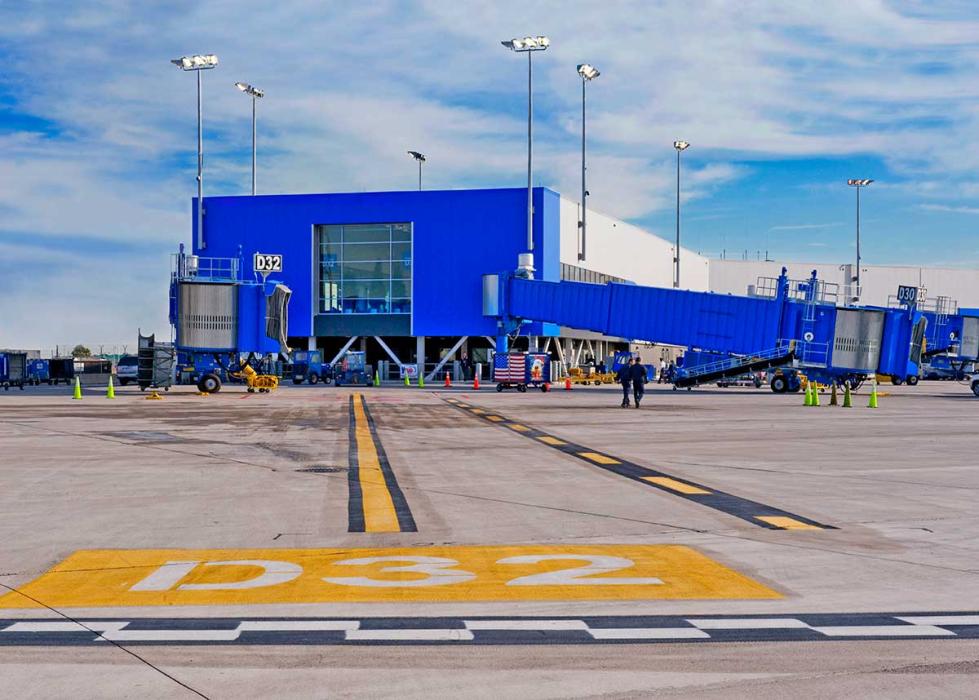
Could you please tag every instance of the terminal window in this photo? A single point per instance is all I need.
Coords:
(364, 268)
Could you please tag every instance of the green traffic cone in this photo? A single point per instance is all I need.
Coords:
(421, 381)
(807, 401)
(815, 395)
(110, 393)
(847, 396)
(377, 379)
(872, 403)
(407, 381)
(78, 389)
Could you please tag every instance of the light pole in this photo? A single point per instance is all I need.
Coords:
(529, 45)
(858, 184)
(680, 147)
(197, 64)
(587, 73)
(420, 157)
(255, 94)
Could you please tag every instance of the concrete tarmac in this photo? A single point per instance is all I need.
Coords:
(259, 476)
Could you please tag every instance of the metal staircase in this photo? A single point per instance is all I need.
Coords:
(735, 366)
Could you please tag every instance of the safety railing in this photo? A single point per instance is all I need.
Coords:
(807, 352)
(734, 362)
(193, 267)
(800, 290)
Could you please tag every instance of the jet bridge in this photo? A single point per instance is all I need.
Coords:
(786, 322)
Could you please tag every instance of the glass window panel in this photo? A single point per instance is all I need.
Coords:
(401, 288)
(401, 232)
(374, 290)
(401, 251)
(367, 251)
(366, 233)
(401, 270)
(366, 270)
(401, 306)
(329, 234)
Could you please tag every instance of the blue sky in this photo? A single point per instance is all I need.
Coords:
(782, 102)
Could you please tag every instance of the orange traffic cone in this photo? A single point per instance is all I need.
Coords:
(567, 383)
(475, 383)
(447, 382)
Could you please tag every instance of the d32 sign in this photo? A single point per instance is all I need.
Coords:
(267, 263)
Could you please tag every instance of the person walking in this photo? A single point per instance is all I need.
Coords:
(662, 370)
(625, 379)
(639, 378)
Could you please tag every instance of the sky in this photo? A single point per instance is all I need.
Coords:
(781, 102)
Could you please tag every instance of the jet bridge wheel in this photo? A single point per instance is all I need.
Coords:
(913, 380)
(209, 383)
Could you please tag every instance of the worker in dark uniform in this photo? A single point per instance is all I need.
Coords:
(625, 379)
(639, 378)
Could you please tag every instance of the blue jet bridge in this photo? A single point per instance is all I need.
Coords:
(791, 323)
(220, 317)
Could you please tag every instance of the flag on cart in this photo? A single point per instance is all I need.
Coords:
(509, 368)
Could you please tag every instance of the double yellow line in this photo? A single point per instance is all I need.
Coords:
(376, 502)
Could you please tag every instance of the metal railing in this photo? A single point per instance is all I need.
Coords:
(734, 362)
(807, 352)
(800, 290)
(193, 267)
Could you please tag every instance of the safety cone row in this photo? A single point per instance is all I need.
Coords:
(110, 392)
(77, 394)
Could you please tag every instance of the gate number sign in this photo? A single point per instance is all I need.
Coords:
(907, 295)
(268, 263)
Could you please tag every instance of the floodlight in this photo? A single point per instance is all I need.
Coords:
(588, 72)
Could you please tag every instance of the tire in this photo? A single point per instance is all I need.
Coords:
(522, 388)
(779, 384)
(327, 380)
(912, 380)
(499, 388)
(209, 383)
(975, 387)
(314, 378)
(297, 380)
(897, 381)
(545, 387)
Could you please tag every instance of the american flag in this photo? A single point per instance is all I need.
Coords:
(509, 367)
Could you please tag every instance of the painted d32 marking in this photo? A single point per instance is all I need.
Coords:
(104, 578)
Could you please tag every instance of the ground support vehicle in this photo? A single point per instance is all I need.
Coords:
(519, 370)
(579, 375)
(220, 317)
(262, 383)
(61, 369)
(975, 384)
(352, 369)
(13, 370)
(308, 366)
(38, 372)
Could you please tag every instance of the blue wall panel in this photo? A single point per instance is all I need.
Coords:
(459, 235)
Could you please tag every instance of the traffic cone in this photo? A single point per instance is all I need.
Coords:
(872, 403)
(78, 389)
(807, 401)
(847, 397)
(833, 401)
(110, 392)
(377, 379)
(815, 395)
(421, 381)
(475, 383)
(407, 380)
(448, 383)
(567, 383)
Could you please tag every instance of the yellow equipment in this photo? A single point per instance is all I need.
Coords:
(263, 383)
(578, 376)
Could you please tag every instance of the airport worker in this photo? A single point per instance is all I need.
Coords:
(662, 370)
(639, 378)
(625, 379)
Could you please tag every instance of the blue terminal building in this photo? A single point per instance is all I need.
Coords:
(401, 272)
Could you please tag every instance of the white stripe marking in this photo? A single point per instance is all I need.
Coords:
(942, 620)
(298, 625)
(648, 633)
(772, 623)
(530, 625)
(885, 631)
(171, 636)
(427, 635)
(41, 627)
